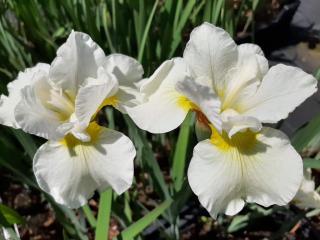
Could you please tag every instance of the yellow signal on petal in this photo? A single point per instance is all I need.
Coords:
(186, 104)
(111, 101)
(71, 142)
(243, 142)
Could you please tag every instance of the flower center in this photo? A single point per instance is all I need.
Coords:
(61, 103)
(243, 142)
(110, 101)
(186, 104)
(71, 141)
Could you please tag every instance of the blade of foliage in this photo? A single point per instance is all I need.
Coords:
(317, 74)
(147, 157)
(26, 141)
(216, 11)
(68, 219)
(89, 215)
(180, 199)
(137, 227)
(103, 221)
(311, 163)
(240, 222)
(308, 137)
(180, 153)
(184, 16)
(146, 31)
(11, 216)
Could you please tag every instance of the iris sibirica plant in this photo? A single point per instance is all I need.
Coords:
(231, 89)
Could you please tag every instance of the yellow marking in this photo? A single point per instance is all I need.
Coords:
(110, 101)
(186, 104)
(243, 142)
(296, 201)
(71, 142)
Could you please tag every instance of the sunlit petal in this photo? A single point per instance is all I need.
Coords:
(204, 98)
(211, 52)
(8, 103)
(77, 59)
(92, 94)
(164, 108)
(127, 70)
(71, 170)
(281, 91)
(254, 167)
(31, 113)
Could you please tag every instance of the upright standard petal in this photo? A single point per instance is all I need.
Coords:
(92, 94)
(242, 81)
(164, 108)
(127, 98)
(33, 118)
(282, 89)
(210, 53)
(8, 103)
(77, 59)
(71, 170)
(250, 48)
(254, 167)
(127, 70)
(36, 114)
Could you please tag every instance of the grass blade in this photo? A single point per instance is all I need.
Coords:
(89, 215)
(183, 20)
(137, 227)
(26, 141)
(148, 159)
(146, 31)
(180, 154)
(104, 214)
(308, 137)
(311, 163)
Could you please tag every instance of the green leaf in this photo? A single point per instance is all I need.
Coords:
(242, 221)
(311, 163)
(317, 74)
(238, 222)
(180, 199)
(89, 215)
(185, 14)
(180, 154)
(149, 162)
(10, 216)
(308, 137)
(104, 214)
(137, 227)
(146, 31)
(26, 141)
(217, 9)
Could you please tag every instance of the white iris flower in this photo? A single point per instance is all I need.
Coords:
(233, 91)
(307, 196)
(59, 102)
